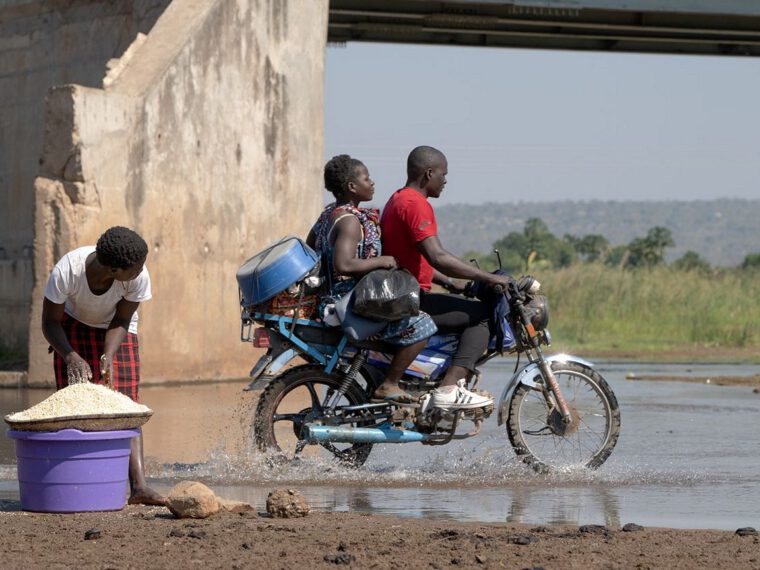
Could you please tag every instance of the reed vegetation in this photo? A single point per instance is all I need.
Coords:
(606, 309)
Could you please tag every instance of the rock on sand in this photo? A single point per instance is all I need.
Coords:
(190, 499)
(286, 504)
(194, 500)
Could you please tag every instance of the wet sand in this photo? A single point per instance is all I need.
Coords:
(150, 537)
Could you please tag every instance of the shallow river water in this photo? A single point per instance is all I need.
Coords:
(687, 457)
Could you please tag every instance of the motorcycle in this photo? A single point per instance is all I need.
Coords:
(558, 410)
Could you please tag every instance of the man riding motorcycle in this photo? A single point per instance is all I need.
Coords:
(410, 234)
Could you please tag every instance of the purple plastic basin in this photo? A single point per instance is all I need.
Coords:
(70, 471)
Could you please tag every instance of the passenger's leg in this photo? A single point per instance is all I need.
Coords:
(400, 362)
(409, 335)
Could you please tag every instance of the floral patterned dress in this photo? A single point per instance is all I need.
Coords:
(403, 332)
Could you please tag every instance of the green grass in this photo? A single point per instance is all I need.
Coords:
(650, 310)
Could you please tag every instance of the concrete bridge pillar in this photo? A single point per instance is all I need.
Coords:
(205, 136)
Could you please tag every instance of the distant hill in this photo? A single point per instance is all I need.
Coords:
(721, 231)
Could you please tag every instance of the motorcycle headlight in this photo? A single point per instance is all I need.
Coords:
(538, 312)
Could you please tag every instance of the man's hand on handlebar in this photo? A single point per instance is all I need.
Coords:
(499, 284)
(502, 283)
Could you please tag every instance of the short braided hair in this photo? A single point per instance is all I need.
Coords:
(120, 247)
(339, 171)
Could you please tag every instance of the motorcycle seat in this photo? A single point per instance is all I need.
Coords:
(319, 335)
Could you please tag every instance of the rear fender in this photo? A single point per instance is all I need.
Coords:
(275, 358)
(527, 375)
(267, 367)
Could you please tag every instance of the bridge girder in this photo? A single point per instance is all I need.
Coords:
(701, 27)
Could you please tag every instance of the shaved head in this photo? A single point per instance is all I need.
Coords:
(422, 158)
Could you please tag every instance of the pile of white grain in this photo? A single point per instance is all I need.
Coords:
(84, 399)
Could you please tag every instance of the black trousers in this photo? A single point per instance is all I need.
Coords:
(467, 317)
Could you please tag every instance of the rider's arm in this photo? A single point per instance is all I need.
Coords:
(450, 265)
(446, 282)
(349, 233)
(441, 279)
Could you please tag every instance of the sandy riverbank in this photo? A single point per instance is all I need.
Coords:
(671, 355)
(150, 537)
(750, 381)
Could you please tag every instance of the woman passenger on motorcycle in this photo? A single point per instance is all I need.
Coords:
(349, 236)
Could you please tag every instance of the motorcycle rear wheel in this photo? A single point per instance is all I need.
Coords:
(293, 398)
(533, 429)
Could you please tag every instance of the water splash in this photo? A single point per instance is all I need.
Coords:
(7, 472)
(461, 468)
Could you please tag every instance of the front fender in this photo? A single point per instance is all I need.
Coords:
(527, 375)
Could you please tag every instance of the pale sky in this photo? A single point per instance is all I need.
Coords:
(548, 125)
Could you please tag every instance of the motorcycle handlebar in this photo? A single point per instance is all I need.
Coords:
(527, 284)
(471, 288)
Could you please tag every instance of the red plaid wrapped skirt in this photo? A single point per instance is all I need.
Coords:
(89, 342)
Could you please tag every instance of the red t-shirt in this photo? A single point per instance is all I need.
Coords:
(407, 220)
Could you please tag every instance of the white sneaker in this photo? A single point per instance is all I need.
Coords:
(460, 398)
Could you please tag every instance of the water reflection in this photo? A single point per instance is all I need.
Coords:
(565, 508)
(518, 505)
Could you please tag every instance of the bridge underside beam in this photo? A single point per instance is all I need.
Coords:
(721, 28)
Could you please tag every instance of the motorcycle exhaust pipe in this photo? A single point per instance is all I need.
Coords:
(344, 434)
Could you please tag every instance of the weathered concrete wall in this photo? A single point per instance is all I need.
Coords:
(45, 43)
(207, 140)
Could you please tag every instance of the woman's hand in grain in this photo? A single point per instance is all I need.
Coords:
(77, 368)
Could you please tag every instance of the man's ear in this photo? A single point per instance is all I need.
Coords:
(428, 173)
(114, 269)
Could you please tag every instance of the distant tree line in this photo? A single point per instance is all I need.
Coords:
(538, 248)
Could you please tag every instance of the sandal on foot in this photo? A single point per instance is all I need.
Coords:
(398, 397)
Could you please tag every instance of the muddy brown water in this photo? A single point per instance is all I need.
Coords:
(686, 458)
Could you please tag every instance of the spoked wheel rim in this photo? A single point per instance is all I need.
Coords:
(304, 401)
(580, 445)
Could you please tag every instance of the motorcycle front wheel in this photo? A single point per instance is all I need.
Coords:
(298, 396)
(543, 441)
